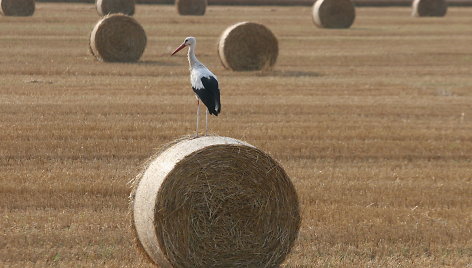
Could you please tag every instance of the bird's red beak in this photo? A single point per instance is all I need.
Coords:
(178, 49)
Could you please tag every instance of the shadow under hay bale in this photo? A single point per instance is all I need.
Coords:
(105, 7)
(248, 46)
(118, 38)
(429, 8)
(17, 7)
(333, 14)
(191, 7)
(215, 202)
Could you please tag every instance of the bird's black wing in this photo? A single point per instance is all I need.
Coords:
(209, 94)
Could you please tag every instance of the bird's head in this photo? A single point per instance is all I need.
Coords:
(189, 41)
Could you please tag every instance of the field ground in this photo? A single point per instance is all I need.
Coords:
(373, 124)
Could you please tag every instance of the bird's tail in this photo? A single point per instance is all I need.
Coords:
(214, 112)
(217, 109)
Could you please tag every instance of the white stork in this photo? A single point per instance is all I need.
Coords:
(204, 82)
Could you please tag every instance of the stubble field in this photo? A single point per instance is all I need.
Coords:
(373, 124)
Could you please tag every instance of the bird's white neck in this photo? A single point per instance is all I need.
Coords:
(192, 59)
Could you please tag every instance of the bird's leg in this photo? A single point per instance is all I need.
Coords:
(198, 115)
(206, 122)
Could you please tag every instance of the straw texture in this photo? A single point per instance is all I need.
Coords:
(17, 7)
(248, 46)
(215, 202)
(429, 8)
(118, 38)
(191, 7)
(334, 14)
(105, 7)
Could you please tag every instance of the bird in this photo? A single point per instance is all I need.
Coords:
(204, 82)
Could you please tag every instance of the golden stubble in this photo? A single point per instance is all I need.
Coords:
(373, 125)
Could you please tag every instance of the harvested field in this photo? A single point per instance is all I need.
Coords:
(373, 124)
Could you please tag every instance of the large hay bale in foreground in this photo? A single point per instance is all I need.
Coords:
(214, 202)
(118, 38)
(17, 7)
(248, 46)
(429, 8)
(105, 7)
(334, 14)
(191, 7)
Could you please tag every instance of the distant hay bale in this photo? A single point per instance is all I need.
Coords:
(248, 46)
(118, 38)
(105, 7)
(214, 202)
(17, 7)
(429, 8)
(334, 14)
(191, 7)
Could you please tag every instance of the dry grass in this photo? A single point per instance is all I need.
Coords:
(373, 124)
(17, 7)
(117, 38)
(223, 204)
(248, 46)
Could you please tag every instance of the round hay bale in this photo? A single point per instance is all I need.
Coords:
(248, 46)
(214, 202)
(333, 14)
(105, 7)
(17, 7)
(429, 8)
(191, 7)
(117, 38)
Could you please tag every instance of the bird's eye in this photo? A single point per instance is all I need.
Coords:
(186, 40)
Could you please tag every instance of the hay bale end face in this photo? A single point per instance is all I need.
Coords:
(105, 7)
(215, 202)
(333, 14)
(429, 8)
(191, 7)
(17, 7)
(248, 46)
(118, 38)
